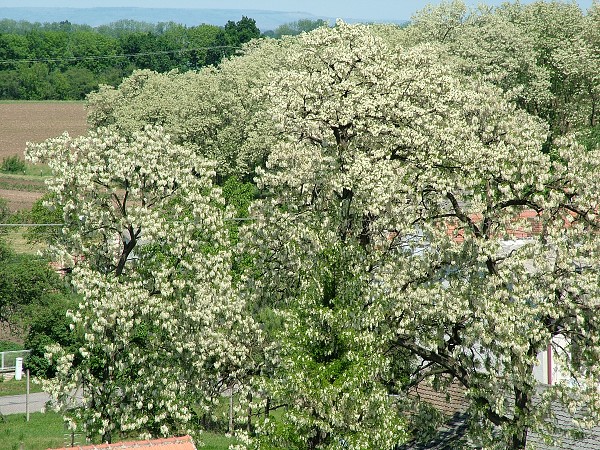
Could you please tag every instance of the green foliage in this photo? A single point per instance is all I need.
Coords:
(64, 61)
(297, 27)
(23, 27)
(590, 138)
(330, 369)
(6, 346)
(239, 195)
(13, 164)
(36, 299)
(25, 282)
(4, 211)
(4, 250)
(242, 31)
(372, 143)
(42, 213)
(158, 330)
(49, 324)
(127, 26)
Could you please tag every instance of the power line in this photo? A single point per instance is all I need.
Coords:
(18, 225)
(126, 55)
(31, 225)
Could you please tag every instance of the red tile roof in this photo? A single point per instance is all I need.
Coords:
(448, 403)
(175, 443)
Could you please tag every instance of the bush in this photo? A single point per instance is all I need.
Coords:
(590, 138)
(13, 164)
(49, 324)
(40, 213)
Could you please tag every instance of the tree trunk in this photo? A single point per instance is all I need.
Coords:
(315, 441)
(249, 422)
(519, 439)
(519, 435)
(127, 249)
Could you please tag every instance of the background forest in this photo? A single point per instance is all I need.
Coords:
(64, 61)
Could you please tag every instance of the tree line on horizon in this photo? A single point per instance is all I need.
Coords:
(67, 61)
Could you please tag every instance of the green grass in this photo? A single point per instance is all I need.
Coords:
(213, 441)
(14, 387)
(44, 430)
(37, 170)
(17, 242)
(32, 173)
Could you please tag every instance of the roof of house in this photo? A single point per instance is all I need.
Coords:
(175, 443)
(453, 434)
(451, 401)
(588, 439)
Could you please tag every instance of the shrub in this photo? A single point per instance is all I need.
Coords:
(49, 324)
(13, 164)
(8, 346)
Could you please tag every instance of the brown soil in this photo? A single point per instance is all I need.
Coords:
(19, 200)
(23, 122)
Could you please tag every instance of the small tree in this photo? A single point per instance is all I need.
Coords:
(158, 315)
(26, 284)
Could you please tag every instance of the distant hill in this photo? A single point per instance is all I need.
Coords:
(265, 20)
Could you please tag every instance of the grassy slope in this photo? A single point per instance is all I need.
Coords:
(41, 432)
(15, 237)
(13, 387)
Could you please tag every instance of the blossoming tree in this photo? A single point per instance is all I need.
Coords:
(385, 240)
(425, 216)
(161, 325)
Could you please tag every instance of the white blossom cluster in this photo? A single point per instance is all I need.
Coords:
(394, 182)
(426, 214)
(161, 324)
(212, 111)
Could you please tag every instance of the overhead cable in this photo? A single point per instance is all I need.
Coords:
(127, 55)
(18, 225)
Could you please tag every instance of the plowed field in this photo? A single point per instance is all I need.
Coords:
(22, 122)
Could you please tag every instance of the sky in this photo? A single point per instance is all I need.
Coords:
(362, 9)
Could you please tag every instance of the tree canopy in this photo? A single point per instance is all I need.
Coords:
(158, 329)
(424, 212)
